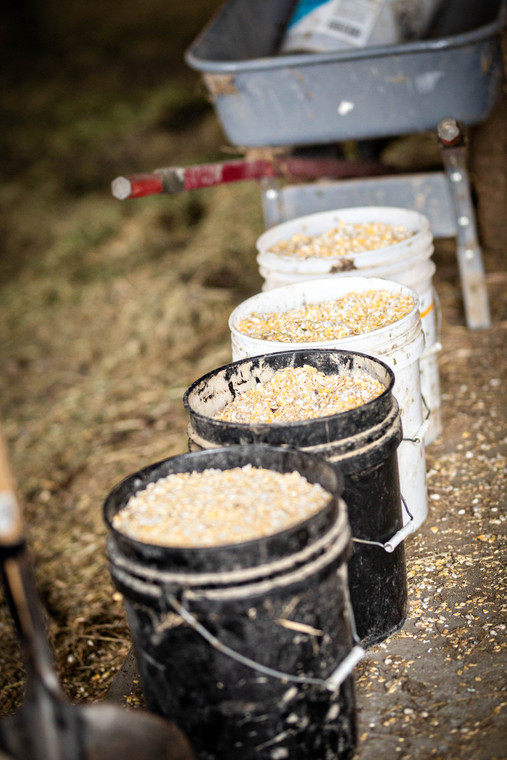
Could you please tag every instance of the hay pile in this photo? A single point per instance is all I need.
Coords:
(109, 309)
(95, 371)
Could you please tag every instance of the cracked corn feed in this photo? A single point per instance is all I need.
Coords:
(300, 393)
(352, 314)
(217, 507)
(344, 239)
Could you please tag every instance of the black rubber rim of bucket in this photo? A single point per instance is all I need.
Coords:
(309, 432)
(229, 556)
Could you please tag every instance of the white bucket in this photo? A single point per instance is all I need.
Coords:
(419, 244)
(419, 278)
(408, 262)
(400, 345)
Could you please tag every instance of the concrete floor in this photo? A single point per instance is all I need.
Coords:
(437, 689)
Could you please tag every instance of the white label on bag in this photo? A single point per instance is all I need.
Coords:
(350, 20)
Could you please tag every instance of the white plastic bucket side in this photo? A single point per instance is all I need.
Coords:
(275, 275)
(387, 339)
(419, 277)
(411, 451)
(362, 261)
(400, 345)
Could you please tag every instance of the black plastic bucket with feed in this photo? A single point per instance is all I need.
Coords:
(361, 443)
(249, 647)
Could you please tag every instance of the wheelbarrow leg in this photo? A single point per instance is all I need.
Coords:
(272, 201)
(473, 283)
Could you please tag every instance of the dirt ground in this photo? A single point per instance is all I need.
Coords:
(110, 309)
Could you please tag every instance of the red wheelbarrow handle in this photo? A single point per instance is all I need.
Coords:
(175, 179)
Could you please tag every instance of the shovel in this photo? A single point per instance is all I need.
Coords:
(48, 727)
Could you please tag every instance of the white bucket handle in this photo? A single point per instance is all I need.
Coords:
(420, 433)
(398, 537)
(331, 683)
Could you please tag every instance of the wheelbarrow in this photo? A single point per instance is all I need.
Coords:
(447, 82)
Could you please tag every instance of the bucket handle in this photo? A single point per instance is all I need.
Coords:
(398, 537)
(332, 683)
(420, 433)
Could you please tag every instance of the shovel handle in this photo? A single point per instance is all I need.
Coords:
(21, 590)
(11, 525)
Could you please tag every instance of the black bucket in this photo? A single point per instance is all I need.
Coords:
(248, 647)
(361, 443)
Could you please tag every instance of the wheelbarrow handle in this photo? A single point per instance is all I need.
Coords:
(176, 179)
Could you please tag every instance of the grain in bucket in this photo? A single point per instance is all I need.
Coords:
(337, 405)
(249, 644)
(353, 308)
(370, 241)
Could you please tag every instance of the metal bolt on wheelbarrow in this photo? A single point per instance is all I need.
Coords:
(48, 727)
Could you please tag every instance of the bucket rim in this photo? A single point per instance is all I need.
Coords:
(263, 427)
(353, 210)
(207, 581)
(317, 291)
(334, 487)
(357, 264)
(321, 221)
(380, 258)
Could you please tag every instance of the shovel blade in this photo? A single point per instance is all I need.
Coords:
(43, 729)
(92, 732)
(112, 732)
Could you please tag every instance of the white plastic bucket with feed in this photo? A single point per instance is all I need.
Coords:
(408, 262)
(400, 345)
(419, 244)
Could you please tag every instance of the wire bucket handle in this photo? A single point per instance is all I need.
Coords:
(331, 683)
